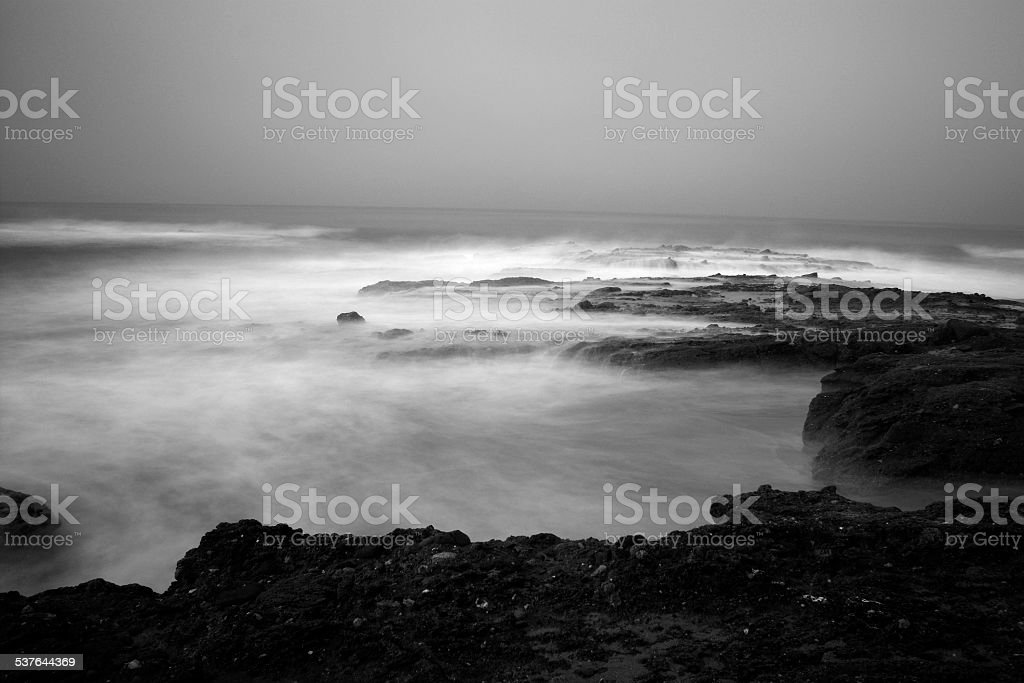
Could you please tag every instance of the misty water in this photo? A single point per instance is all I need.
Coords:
(161, 439)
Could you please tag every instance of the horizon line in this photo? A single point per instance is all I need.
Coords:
(660, 215)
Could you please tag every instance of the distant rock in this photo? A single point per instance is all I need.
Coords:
(603, 306)
(512, 282)
(814, 274)
(350, 317)
(393, 333)
(394, 286)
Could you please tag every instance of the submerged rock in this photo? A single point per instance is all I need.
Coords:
(393, 333)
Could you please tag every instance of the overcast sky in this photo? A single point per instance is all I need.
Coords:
(511, 105)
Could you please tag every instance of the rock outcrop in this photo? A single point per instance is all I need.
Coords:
(953, 411)
(23, 518)
(394, 333)
(394, 286)
(823, 588)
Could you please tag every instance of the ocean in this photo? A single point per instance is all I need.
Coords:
(163, 428)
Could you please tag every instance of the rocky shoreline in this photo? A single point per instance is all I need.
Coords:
(939, 393)
(822, 587)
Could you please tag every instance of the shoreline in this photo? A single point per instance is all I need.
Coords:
(818, 585)
(825, 587)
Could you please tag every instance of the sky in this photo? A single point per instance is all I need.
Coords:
(511, 110)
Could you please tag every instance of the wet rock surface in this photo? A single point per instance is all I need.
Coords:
(934, 392)
(823, 588)
(393, 333)
(720, 349)
(350, 317)
(940, 393)
(954, 411)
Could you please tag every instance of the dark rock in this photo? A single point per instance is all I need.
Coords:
(940, 413)
(351, 317)
(454, 538)
(953, 331)
(239, 594)
(720, 350)
(369, 552)
(873, 591)
(393, 333)
(512, 282)
(586, 305)
(394, 286)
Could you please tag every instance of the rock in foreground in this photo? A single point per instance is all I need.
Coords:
(824, 589)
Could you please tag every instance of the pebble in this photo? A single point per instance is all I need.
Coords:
(443, 558)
